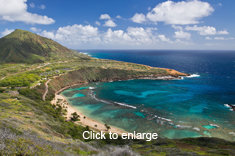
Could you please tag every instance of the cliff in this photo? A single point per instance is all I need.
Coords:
(97, 74)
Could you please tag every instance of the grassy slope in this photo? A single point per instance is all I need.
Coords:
(24, 46)
(49, 129)
(35, 127)
(31, 126)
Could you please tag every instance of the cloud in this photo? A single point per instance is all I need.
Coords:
(7, 31)
(97, 23)
(105, 16)
(110, 23)
(164, 39)
(205, 30)
(132, 36)
(73, 33)
(149, 8)
(32, 5)
(177, 27)
(219, 38)
(118, 16)
(223, 32)
(222, 38)
(81, 35)
(138, 32)
(16, 10)
(182, 34)
(116, 37)
(42, 7)
(138, 18)
(35, 29)
(208, 38)
(184, 12)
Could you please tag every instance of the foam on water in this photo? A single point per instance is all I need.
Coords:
(193, 75)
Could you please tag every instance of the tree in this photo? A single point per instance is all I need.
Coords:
(84, 118)
(87, 128)
(107, 126)
(74, 117)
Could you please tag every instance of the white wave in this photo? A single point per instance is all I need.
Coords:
(193, 75)
(85, 53)
(92, 87)
(196, 128)
(165, 119)
(232, 133)
(182, 126)
(181, 78)
(214, 125)
(155, 116)
(226, 105)
(126, 105)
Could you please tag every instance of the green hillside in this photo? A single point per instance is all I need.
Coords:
(30, 126)
(25, 47)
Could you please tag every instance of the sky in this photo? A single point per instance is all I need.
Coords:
(125, 24)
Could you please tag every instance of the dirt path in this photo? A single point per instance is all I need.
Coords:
(46, 90)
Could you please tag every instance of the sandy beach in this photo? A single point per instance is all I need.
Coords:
(88, 121)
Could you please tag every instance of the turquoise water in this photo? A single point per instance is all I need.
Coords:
(174, 108)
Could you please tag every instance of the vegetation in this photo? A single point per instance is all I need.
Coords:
(35, 127)
(23, 46)
(75, 117)
(24, 79)
(31, 126)
(107, 127)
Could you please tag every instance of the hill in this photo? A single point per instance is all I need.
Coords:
(31, 126)
(25, 47)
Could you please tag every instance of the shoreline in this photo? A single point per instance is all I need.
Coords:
(91, 122)
(88, 121)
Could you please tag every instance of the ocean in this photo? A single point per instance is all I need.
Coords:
(191, 107)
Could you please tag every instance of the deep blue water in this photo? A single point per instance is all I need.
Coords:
(173, 109)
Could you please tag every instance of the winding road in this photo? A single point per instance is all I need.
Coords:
(46, 90)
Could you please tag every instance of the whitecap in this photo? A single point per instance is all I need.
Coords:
(85, 53)
(92, 87)
(165, 119)
(214, 125)
(226, 105)
(196, 128)
(126, 105)
(182, 126)
(193, 75)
